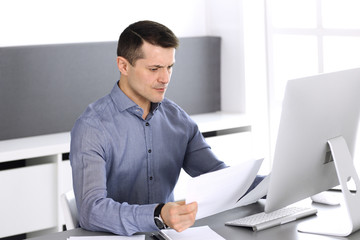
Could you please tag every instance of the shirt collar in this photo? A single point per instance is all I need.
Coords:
(123, 102)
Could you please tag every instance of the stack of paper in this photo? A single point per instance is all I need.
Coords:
(221, 190)
(194, 233)
(136, 237)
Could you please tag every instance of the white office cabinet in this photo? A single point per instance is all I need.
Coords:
(66, 183)
(40, 172)
(28, 199)
(32, 177)
(233, 148)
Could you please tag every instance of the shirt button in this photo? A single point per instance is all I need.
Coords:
(149, 151)
(147, 124)
(151, 178)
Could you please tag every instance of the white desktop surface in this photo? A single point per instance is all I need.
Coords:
(37, 146)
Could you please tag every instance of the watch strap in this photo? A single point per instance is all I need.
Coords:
(157, 211)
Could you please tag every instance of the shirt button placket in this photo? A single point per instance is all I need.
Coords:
(150, 170)
(147, 124)
(151, 178)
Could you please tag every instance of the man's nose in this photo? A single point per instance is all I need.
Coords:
(165, 76)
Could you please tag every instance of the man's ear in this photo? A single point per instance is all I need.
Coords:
(123, 65)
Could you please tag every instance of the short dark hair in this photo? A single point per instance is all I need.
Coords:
(133, 37)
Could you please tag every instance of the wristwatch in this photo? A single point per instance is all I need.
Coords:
(157, 217)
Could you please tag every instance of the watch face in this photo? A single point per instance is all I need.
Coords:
(159, 223)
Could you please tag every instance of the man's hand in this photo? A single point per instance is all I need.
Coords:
(178, 215)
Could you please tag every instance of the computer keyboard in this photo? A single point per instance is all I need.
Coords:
(264, 220)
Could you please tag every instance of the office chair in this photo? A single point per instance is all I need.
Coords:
(68, 204)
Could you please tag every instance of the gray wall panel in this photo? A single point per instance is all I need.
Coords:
(195, 83)
(43, 89)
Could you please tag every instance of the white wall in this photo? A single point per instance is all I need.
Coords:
(224, 18)
(31, 22)
(26, 22)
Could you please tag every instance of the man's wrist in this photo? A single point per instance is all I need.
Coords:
(159, 222)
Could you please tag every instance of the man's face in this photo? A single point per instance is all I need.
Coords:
(148, 79)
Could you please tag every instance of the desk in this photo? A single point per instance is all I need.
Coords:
(216, 222)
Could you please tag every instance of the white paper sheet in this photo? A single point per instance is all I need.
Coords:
(194, 233)
(258, 192)
(220, 190)
(135, 237)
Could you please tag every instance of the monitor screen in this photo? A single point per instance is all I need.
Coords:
(315, 109)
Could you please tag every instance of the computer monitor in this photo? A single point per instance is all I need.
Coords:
(315, 109)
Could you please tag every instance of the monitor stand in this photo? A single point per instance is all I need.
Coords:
(349, 222)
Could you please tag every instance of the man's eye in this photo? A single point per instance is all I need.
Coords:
(153, 69)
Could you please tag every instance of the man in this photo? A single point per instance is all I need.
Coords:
(127, 148)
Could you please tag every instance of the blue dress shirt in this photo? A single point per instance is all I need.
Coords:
(123, 165)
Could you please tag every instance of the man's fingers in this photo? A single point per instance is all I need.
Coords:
(187, 208)
(179, 215)
(181, 202)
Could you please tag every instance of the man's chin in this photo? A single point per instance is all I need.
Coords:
(158, 99)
